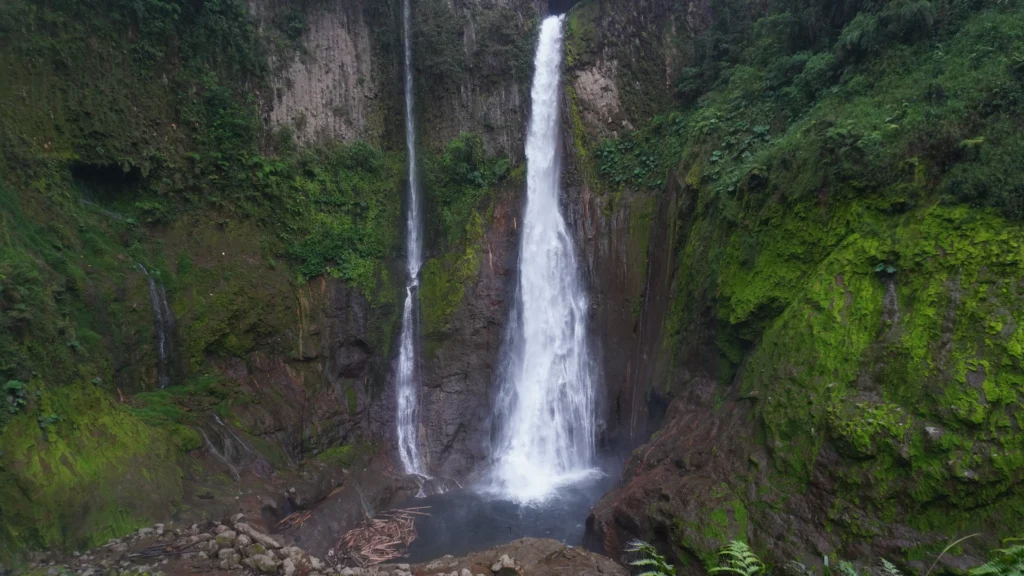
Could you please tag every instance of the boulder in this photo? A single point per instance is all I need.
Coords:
(226, 539)
(255, 549)
(257, 536)
(262, 563)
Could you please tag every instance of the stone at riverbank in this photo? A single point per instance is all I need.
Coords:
(527, 556)
(236, 547)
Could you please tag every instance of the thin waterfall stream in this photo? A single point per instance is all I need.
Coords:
(163, 320)
(407, 418)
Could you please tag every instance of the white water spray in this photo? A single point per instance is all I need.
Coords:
(406, 380)
(546, 400)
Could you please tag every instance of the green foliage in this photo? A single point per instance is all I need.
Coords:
(16, 396)
(345, 205)
(505, 45)
(1008, 561)
(649, 561)
(850, 233)
(644, 158)
(737, 558)
(502, 47)
(443, 282)
(457, 181)
(437, 46)
(888, 568)
(92, 473)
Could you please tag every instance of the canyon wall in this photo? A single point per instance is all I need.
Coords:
(801, 247)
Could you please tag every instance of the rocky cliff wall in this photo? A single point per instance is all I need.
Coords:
(785, 328)
(344, 81)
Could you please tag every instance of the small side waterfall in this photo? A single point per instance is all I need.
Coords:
(406, 378)
(546, 403)
(163, 320)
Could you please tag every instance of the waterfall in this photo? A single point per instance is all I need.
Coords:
(163, 320)
(545, 404)
(406, 380)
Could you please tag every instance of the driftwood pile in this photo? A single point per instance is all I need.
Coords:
(382, 538)
(294, 520)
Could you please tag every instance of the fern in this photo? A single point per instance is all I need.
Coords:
(737, 558)
(888, 568)
(1008, 562)
(652, 563)
(847, 569)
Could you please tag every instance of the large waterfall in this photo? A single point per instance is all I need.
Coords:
(546, 400)
(406, 377)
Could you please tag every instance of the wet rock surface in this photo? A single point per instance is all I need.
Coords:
(527, 556)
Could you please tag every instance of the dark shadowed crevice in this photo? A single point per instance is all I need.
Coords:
(106, 182)
(560, 6)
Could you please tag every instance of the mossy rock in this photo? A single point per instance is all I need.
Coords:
(710, 517)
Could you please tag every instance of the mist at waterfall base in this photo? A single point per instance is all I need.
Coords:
(465, 521)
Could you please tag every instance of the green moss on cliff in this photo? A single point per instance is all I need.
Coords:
(132, 135)
(859, 254)
(78, 470)
(444, 279)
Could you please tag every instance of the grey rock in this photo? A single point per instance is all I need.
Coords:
(242, 541)
(202, 556)
(496, 566)
(262, 563)
(220, 528)
(226, 553)
(229, 563)
(465, 572)
(237, 518)
(507, 562)
(348, 572)
(226, 539)
(288, 567)
(257, 536)
(404, 567)
(254, 549)
(145, 531)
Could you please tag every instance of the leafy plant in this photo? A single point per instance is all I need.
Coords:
(650, 561)
(15, 391)
(888, 568)
(1009, 561)
(737, 558)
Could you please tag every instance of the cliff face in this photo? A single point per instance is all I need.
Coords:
(797, 258)
(341, 82)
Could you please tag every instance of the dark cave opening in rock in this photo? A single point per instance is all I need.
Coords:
(106, 183)
(560, 6)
